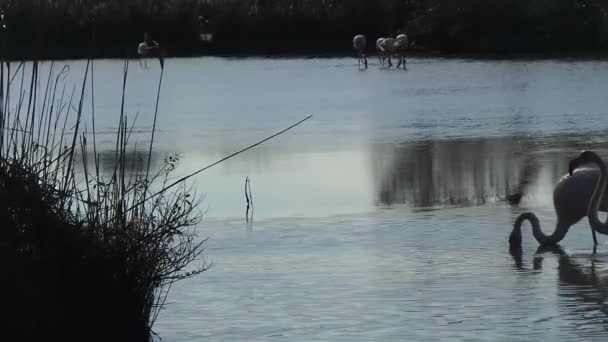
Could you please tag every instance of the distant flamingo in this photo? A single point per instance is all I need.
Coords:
(388, 47)
(149, 47)
(401, 44)
(360, 44)
(381, 54)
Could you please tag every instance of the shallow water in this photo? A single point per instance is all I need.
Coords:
(430, 276)
(384, 216)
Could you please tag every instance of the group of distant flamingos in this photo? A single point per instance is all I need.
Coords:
(578, 194)
(387, 48)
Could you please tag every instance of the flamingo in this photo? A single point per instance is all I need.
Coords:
(360, 44)
(401, 44)
(149, 47)
(578, 194)
(388, 47)
(381, 56)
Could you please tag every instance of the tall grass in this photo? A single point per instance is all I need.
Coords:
(85, 257)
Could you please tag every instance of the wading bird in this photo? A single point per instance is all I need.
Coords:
(401, 44)
(360, 44)
(388, 48)
(149, 47)
(576, 195)
(381, 54)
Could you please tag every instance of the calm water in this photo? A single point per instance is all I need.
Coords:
(383, 217)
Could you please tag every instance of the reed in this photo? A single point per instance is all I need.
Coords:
(85, 257)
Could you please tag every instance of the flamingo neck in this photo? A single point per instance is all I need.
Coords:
(545, 240)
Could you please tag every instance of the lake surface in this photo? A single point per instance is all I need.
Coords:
(382, 218)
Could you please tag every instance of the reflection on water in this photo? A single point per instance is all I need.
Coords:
(582, 287)
(425, 174)
(449, 173)
(444, 133)
(134, 161)
(466, 172)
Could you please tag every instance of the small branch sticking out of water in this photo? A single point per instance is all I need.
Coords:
(249, 198)
(181, 180)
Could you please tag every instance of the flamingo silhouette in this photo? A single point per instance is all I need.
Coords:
(360, 44)
(576, 195)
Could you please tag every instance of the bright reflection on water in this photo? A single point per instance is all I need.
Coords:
(384, 217)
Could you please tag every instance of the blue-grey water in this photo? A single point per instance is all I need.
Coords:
(382, 218)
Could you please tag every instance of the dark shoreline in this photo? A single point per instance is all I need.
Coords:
(489, 56)
(471, 29)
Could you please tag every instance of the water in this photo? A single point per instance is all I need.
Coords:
(439, 275)
(383, 217)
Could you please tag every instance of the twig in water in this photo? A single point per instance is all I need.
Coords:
(181, 180)
(249, 198)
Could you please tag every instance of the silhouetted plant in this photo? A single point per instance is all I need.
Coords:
(85, 257)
